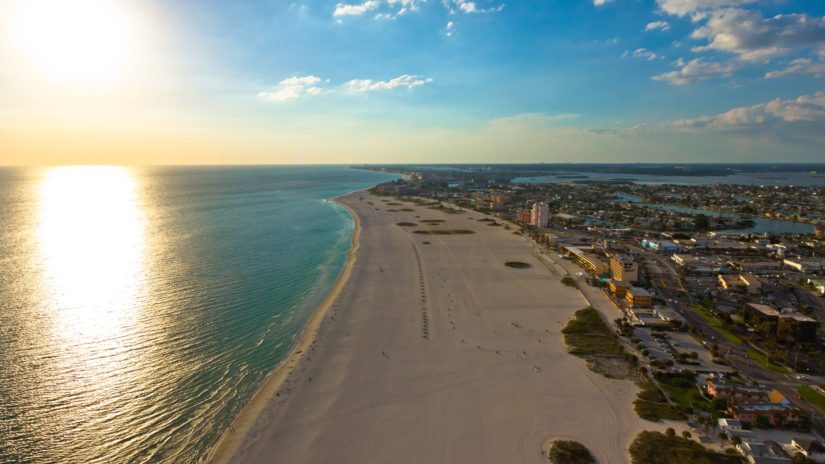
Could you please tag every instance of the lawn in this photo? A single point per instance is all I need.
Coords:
(718, 325)
(760, 358)
(813, 396)
(651, 405)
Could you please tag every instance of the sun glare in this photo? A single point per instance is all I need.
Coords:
(91, 240)
(81, 41)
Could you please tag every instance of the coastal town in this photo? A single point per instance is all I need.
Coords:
(715, 293)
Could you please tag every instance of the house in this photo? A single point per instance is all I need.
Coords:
(811, 449)
(738, 393)
(725, 424)
(752, 414)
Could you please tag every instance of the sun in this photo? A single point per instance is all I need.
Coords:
(80, 41)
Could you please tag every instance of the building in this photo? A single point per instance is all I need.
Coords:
(752, 414)
(768, 460)
(638, 297)
(524, 216)
(794, 327)
(731, 283)
(590, 261)
(752, 283)
(819, 231)
(738, 393)
(541, 212)
(618, 288)
(787, 325)
(818, 285)
(725, 424)
(645, 317)
(741, 283)
(811, 449)
(498, 201)
(805, 264)
(624, 268)
(663, 246)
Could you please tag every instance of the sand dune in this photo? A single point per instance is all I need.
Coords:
(437, 353)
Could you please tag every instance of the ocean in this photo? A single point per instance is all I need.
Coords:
(140, 308)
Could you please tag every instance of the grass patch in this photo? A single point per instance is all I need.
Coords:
(425, 243)
(517, 264)
(569, 281)
(587, 334)
(393, 210)
(763, 361)
(651, 404)
(407, 210)
(445, 209)
(813, 396)
(394, 204)
(433, 221)
(494, 224)
(665, 448)
(569, 452)
(718, 325)
(444, 232)
(406, 224)
(682, 389)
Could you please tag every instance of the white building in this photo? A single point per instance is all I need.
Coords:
(540, 214)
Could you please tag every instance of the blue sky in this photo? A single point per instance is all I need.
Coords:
(489, 80)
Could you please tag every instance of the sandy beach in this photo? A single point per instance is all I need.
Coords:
(434, 352)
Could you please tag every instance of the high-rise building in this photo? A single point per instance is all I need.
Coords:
(820, 231)
(624, 268)
(541, 212)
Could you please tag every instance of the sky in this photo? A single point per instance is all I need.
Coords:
(392, 81)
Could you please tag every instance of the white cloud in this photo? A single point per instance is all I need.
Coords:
(450, 28)
(657, 25)
(803, 115)
(467, 6)
(692, 7)
(601, 2)
(293, 88)
(696, 70)
(368, 85)
(752, 37)
(344, 9)
(304, 80)
(799, 66)
(641, 53)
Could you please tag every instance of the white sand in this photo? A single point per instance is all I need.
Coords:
(382, 392)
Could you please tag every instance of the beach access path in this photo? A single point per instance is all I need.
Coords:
(437, 352)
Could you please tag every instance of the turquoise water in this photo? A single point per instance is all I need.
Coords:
(141, 308)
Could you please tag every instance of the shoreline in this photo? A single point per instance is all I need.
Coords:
(227, 446)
